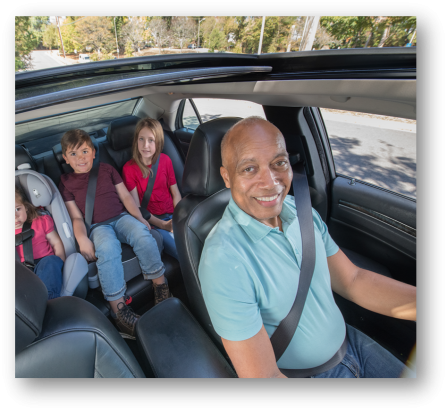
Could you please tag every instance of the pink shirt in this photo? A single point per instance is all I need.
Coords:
(161, 199)
(42, 226)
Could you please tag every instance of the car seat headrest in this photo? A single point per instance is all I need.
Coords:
(120, 132)
(57, 152)
(23, 159)
(201, 175)
(31, 303)
(35, 187)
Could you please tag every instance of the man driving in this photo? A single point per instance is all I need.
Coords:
(250, 270)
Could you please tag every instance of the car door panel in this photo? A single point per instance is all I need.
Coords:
(377, 223)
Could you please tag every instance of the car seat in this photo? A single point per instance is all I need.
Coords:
(42, 192)
(66, 337)
(202, 207)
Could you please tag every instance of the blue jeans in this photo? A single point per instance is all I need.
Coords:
(365, 359)
(49, 270)
(107, 239)
(168, 239)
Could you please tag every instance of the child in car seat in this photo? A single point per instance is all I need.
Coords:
(147, 144)
(116, 219)
(48, 249)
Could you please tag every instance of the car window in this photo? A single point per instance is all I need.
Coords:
(189, 117)
(211, 108)
(380, 150)
(41, 134)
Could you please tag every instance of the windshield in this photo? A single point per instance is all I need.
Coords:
(50, 41)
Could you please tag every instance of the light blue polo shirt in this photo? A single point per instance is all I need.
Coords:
(249, 275)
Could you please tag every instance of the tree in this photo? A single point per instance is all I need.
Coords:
(38, 25)
(217, 40)
(134, 32)
(50, 36)
(350, 31)
(95, 32)
(183, 30)
(25, 42)
(70, 34)
(159, 31)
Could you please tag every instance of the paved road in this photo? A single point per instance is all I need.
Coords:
(42, 60)
(373, 149)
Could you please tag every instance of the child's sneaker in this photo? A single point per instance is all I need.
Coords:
(161, 292)
(125, 319)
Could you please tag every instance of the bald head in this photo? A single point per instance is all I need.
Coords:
(236, 135)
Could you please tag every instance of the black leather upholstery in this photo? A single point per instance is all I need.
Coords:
(200, 210)
(67, 337)
(121, 131)
(31, 303)
(23, 157)
(175, 345)
(202, 168)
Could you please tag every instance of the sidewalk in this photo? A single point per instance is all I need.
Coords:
(54, 55)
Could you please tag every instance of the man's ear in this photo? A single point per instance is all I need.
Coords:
(225, 176)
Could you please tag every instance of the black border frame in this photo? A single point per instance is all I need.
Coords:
(261, 393)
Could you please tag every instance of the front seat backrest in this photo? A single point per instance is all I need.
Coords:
(66, 337)
(202, 207)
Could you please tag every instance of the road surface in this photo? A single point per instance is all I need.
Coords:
(42, 60)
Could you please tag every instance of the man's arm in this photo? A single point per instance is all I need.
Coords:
(372, 291)
(85, 245)
(129, 202)
(253, 358)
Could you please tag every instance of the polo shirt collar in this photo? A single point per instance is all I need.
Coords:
(255, 229)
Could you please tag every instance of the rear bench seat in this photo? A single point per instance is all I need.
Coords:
(116, 151)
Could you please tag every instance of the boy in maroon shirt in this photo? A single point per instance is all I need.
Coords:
(116, 219)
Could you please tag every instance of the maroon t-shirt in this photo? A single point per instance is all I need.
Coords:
(73, 186)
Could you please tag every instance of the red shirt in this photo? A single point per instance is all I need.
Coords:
(73, 186)
(161, 199)
(42, 226)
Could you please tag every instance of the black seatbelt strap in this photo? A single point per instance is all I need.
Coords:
(286, 329)
(90, 198)
(25, 238)
(147, 194)
(283, 335)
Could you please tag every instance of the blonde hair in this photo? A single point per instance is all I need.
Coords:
(155, 127)
(31, 211)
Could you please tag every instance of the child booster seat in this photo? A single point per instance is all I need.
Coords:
(41, 191)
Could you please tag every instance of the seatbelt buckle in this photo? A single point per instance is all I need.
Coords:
(29, 265)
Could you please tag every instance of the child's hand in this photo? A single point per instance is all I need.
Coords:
(145, 222)
(87, 250)
(168, 226)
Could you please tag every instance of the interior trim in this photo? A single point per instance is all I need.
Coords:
(379, 216)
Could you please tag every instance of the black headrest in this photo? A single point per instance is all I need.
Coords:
(202, 168)
(23, 158)
(120, 132)
(31, 303)
(57, 152)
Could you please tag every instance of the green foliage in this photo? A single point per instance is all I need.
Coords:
(50, 37)
(70, 34)
(129, 49)
(217, 40)
(25, 42)
(95, 32)
(94, 57)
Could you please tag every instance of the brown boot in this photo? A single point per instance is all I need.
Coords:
(125, 319)
(161, 292)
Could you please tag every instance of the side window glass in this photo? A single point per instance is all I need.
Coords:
(377, 149)
(189, 117)
(211, 108)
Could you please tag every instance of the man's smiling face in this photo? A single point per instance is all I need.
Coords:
(257, 170)
(80, 159)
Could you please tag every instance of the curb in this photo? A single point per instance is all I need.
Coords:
(59, 59)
